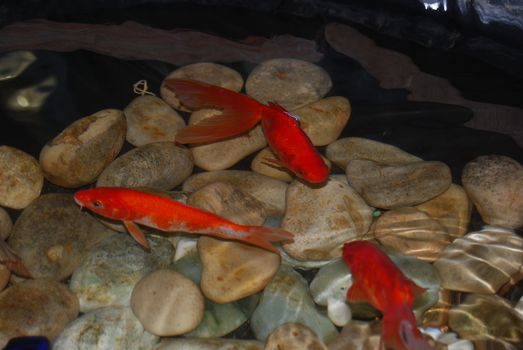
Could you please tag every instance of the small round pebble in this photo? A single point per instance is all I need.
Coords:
(167, 303)
(21, 178)
(82, 150)
(291, 83)
(150, 119)
(210, 73)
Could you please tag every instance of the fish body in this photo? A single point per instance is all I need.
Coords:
(240, 113)
(378, 281)
(136, 207)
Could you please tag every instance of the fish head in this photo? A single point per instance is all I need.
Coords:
(107, 202)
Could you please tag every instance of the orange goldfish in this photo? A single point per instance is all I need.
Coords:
(134, 207)
(378, 281)
(293, 148)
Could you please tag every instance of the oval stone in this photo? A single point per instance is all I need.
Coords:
(209, 344)
(342, 151)
(107, 328)
(291, 83)
(452, 209)
(481, 262)
(167, 303)
(270, 192)
(324, 120)
(233, 270)
(82, 150)
(411, 232)
(52, 235)
(293, 336)
(21, 178)
(495, 186)
(223, 154)
(36, 307)
(389, 186)
(323, 219)
(109, 273)
(210, 73)
(150, 119)
(6, 224)
(158, 165)
(5, 274)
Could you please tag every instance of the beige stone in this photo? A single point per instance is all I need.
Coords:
(6, 224)
(210, 73)
(150, 119)
(292, 83)
(293, 336)
(229, 202)
(223, 154)
(270, 192)
(452, 209)
(233, 270)
(411, 232)
(342, 151)
(167, 303)
(82, 150)
(5, 274)
(324, 120)
(323, 219)
(481, 262)
(21, 178)
(494, 183)
(158, 165)
(389, 186)
(36, 307)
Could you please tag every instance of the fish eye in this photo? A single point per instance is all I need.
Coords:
(97, 204)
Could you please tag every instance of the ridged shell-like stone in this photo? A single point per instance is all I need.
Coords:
(323, 219)
(21, 178)
(452, 209)
(167, 303)
(495, 186)
(52, 236)
(106, 328)
(270, 192)
(209, 344)
(158, 165)
(82, 150)
(150, 119)
(342, 151)
(36, 307)
(390, 186)
(292, 83)
(487, 317)
(481, 262)
(294, 336)
(207, 72)
(324, 120)
(411, 232)
(223, 154)
(286, 299)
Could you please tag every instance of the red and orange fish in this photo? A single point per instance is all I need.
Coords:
(134, 207)
(378, 281)
(240, 113)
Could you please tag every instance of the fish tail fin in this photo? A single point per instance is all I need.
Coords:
(400, 330)
(258, 236)
(240, 113)
(12, 261)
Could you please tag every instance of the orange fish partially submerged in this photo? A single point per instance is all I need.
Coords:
(134, 207)
(240, 113)
(378, 281)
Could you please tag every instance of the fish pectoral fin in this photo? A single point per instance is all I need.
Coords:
(417, 290)
(137, 234)
(357, 293)
(275, 163)
(12, 261)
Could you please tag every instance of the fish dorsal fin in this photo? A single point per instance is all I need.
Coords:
(357, 292)
(279, 108)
